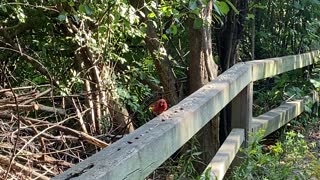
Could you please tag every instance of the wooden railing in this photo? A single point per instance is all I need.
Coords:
(141, 152)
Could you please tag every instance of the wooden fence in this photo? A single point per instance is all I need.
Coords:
(137, 155)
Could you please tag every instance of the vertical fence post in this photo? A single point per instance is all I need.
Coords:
(241, 110)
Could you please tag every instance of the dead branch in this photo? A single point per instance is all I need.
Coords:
(51, 109)
(25, 87)
(21, 107)
(38, 96)
(64, 129)
(83, 135)
(83, 126)
(19, 167)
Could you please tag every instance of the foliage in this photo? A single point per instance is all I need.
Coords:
(185, 164)
(54, 34)
(287, 159)
(293, 28)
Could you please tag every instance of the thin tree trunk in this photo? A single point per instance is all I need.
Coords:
(228, 43)
(98, 100)
(253, 36)
(160, 57)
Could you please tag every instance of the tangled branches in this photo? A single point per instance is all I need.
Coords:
(38, 140)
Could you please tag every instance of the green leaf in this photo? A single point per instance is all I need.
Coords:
(193, 5)
(71, 3)
(21, 16)
(151, 15)
(315, 82)
(82, 9)
(88, 10)
(250, 16)
(197, 23)
(223, 7)
(173, 29)
(196, 11)
(62, 17)
(3, 7)
(164, 37)
(216, 8)
(232, 7)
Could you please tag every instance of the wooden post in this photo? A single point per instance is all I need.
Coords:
(241, 117)
(241, 110)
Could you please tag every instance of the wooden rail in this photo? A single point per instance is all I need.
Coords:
(141, 152)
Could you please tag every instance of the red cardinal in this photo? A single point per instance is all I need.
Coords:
(159, 107)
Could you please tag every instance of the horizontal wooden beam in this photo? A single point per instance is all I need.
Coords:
(269, 67)
(225, 155)
(276, 118)
(141, 152)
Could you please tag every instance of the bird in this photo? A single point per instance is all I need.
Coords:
(159, 106)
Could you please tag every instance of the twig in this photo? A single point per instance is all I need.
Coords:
(25, 87)
(83, 126)
(37, 64)
(19, 123)
(48, 8)
(37, 96)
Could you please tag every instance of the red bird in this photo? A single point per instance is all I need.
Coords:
(159, 107)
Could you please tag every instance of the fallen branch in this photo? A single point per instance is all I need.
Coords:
(21, 107)
(19, 167)
(64, 129)
(37, 96)
(26, 87)
(51, 109)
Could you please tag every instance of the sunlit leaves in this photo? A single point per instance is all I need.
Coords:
(151, 15)
(316, 83)
(20, 14)
(221, 7)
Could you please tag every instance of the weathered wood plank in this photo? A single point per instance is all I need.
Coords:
(269, 67)
(227, 152)
(276, 118)
(138, 154)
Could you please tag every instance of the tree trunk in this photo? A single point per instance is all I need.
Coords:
(160, 57)
(203, 69)
(228, 40)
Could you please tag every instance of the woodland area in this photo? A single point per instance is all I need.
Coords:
(77, 75)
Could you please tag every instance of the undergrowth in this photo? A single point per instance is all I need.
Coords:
(287, 159)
